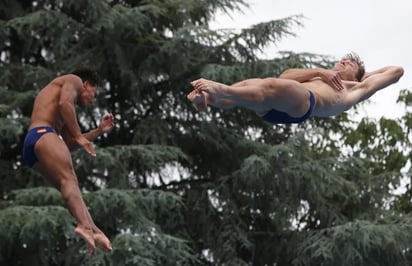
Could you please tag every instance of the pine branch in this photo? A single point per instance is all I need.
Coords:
(183, 184)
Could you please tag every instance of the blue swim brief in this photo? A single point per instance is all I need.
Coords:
(277, 117)
(34, 134)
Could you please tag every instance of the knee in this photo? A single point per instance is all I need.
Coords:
(271, 86)
(68, 181)
(271, 82)
(262, 89)
(68, 188)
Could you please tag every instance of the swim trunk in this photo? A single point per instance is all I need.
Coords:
(277, 117)
(34, 134)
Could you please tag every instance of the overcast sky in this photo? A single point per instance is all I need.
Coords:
(379, 31)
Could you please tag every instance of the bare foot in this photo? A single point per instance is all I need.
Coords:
(102, 242)
(199, 100)
(87, 235)
(210, 87)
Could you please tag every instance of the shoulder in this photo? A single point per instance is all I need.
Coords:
(68, 80)
(71, 78)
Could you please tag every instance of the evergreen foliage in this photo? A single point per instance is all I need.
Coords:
(171, 186)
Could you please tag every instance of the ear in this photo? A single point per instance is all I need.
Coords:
(85, 85)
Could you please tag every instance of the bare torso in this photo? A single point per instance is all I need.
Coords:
(329, 101)
(46, 106)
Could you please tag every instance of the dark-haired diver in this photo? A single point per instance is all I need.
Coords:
(54, 131)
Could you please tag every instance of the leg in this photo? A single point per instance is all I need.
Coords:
(261, 95)
(201, 100)
(55, 164)
(100, 239)
(246, 82)
(198, 99)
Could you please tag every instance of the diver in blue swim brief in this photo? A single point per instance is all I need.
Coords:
(29, 155)
(284, 100)
(54, 112)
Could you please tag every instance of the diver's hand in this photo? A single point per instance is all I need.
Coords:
(86, 145)
(106, 123)
(332, 78)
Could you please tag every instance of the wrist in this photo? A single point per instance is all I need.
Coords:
(99, 131)
(320, 72)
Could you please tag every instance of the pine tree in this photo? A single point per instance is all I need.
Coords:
(171, 186)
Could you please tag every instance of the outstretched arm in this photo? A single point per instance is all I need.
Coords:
(330, 77)
(376, 80)
(378, 71)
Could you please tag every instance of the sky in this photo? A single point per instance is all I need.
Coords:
(379, 31)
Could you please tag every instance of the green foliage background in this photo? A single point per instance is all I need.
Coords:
(171, 186)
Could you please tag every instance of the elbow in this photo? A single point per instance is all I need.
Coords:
(401, 71)
(398, 72)
(287, 73)
(284, 74)
(62, 105)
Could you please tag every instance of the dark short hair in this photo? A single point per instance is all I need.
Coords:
(354, 57)
(87, 74)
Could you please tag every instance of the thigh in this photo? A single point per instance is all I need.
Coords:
(42, 169)
(54, 158)
(287, 96)
(246, 82)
